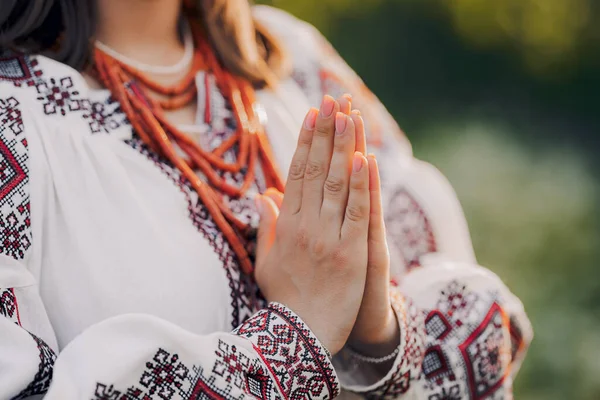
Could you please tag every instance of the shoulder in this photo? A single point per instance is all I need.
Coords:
(301, 39)
(283, 23)
(24, 77)
(42, 90)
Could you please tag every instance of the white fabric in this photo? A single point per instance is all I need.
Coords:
(116, 269)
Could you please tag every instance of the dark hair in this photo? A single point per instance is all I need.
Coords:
(64, 30)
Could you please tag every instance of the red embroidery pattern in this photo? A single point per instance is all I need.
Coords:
(469, 331)
(165, 378)
(482, 354)
(15, 225)
(297, 367)
(19, 69)
(8, 305)
(105, 116)
(59, 95)
(409, 228)
(292, 354)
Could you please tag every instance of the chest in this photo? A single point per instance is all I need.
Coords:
(121, 230)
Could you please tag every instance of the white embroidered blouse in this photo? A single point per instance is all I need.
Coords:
(115, 283)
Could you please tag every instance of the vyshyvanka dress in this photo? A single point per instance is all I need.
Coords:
(116, 284)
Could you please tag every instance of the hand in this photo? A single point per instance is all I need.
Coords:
(376, 332)
(315, 260)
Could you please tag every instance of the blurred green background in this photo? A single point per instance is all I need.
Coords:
(503, 97)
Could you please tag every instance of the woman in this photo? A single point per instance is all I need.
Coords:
(136, 140)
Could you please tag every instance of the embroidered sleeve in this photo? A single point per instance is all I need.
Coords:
(27, 342)
(477, 331)
(273, 355)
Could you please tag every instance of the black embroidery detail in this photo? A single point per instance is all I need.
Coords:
(43, 378)
(471, 329)
(59, 95)
(288, 350)
(19, 69)
(8, 305)
(105, 116)
(15, 224)
(292, 353)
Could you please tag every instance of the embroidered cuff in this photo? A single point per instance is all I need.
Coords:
(292, 353)
(356, 376)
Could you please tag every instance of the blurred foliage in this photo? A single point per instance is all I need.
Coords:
(503, 97)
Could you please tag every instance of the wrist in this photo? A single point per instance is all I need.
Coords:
(382, 342)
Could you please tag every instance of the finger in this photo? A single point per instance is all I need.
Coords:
(345, 103)
(361, 136)
(335, 190)
(293, 187)
(378, 250)
(269, 212)
(319, 158)
(356, 219)
(275, 195)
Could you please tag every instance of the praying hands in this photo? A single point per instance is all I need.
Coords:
(322, 249)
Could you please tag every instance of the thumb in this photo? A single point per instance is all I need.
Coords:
(269, 213)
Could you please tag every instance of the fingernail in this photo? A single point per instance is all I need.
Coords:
(259, 203)
(340, 123)
(358, 162)
(311, 119)
(356, 112)
(327, 106)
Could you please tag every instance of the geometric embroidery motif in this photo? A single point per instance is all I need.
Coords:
(436, 366)
(43, 377)
(59, 96)
(437, 326)
(104, 116)
(19, 69)
(164, 375)
(484, 356)
(468, 350)
(15, 225)
(409, 228)
(291, 352)
(299, 366)
(447, 393)
(8, 305)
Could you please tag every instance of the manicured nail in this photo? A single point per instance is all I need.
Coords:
(358, 162)
(341, 121)
(311, 119)
(259, 203)
(327, 106)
